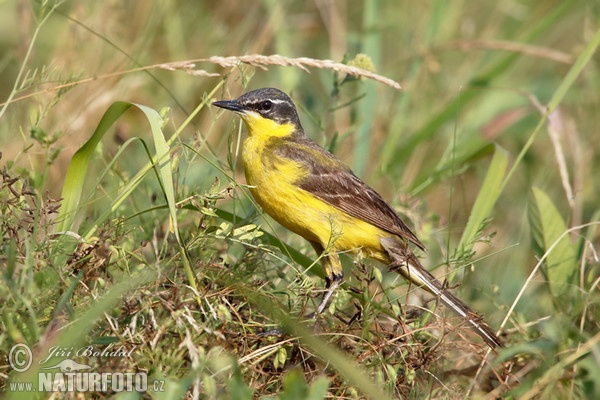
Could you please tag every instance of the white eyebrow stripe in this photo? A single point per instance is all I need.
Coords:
(274, 101)
(278, 101)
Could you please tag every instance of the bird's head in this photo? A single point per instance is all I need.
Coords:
(266, 112)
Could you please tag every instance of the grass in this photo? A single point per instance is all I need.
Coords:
(126, 222)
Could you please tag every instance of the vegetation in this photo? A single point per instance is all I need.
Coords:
(125, 222)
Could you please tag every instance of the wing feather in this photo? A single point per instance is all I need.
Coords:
(333, 182)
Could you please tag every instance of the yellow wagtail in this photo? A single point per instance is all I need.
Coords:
(310, 192)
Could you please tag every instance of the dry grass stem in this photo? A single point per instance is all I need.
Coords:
(186, 66)
(556, 129)
(263, 62)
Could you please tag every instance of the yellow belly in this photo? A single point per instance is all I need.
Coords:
(303, 213)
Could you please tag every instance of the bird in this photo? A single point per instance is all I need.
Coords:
(312, 193)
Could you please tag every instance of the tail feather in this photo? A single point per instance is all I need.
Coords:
(404, 262)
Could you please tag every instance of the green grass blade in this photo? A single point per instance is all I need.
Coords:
(75, 178)
(583, 60)
(163, 162)
(123, 194)
(547, 226)
(368, 107)
(487, 197)
(449, 167)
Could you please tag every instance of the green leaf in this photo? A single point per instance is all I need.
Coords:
(295, 387)
(548, 228)
(318, 389)
(486, 199)
(238, 389)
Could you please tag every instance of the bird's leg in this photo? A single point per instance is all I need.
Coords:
(332, 266)
(332, 284)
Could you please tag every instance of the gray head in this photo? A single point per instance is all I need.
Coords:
(270, 103)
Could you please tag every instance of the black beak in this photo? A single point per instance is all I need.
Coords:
(232, 105)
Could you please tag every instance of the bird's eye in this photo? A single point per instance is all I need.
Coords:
(266, 105)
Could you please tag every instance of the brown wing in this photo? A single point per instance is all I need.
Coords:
(333, 182)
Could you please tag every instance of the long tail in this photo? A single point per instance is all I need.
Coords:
(404, 262)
